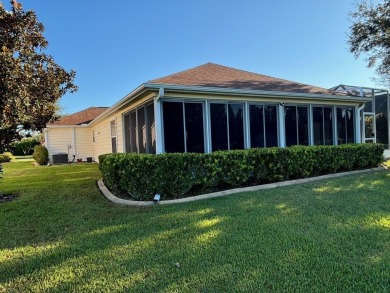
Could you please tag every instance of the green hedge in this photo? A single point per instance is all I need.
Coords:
(41, 154)
(179, 175)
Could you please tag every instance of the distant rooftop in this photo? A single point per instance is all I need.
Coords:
(214, 75)
(82, 117)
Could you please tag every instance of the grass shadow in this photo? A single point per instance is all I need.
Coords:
(327, 235)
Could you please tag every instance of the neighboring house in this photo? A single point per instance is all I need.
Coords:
(213, 107)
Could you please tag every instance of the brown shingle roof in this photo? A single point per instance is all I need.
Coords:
(214, 75)
(82, 117)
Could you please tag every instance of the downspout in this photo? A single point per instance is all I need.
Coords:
(161, 93)
(46, 143)
(74, 142)
(158, 121)
(45, 131)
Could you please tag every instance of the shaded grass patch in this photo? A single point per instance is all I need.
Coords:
(63, 235)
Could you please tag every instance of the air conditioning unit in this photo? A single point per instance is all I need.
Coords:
(60, 159)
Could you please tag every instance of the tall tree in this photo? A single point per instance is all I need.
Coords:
(31, 83)
(370, 35)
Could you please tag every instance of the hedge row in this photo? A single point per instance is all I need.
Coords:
(177, 175)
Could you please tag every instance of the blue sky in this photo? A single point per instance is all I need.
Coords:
(115, 46)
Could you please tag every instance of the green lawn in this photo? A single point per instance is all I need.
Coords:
(62, 235)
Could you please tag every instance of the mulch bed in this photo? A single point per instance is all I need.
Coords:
(7, 197)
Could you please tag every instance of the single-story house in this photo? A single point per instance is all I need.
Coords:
(213, 107)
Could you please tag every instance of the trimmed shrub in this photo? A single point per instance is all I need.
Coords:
(9, 155)
(177, 175)
(102, 157)
(41, 155)
(4, 158)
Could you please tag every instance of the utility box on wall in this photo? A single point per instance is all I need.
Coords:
(60, 159)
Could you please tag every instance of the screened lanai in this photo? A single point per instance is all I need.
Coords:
(375, 114)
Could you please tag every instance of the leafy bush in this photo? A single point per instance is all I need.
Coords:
(4, 158)
(41, 155)
(8, 154)
(178, 175)
(102, 157)
(1, 171)
(25, 146)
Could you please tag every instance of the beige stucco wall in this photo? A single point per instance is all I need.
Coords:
(79, 138)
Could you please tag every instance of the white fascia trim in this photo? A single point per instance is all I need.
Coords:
(256, 93)
(123, 101)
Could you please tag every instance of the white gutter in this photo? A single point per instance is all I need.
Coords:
(257, 93)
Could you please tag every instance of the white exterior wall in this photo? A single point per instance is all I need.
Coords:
(79, 138)
(83, 143)
(57, 141)
(102, 135)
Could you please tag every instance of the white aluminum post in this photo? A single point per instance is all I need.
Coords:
(281, 127)
(207, 127)
(123, 134)
(158, 126)
(388, 120)
(335, 134)
(358, 132)
(311, 130)
(246, 127)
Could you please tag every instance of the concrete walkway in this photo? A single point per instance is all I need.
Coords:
(122, 201)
